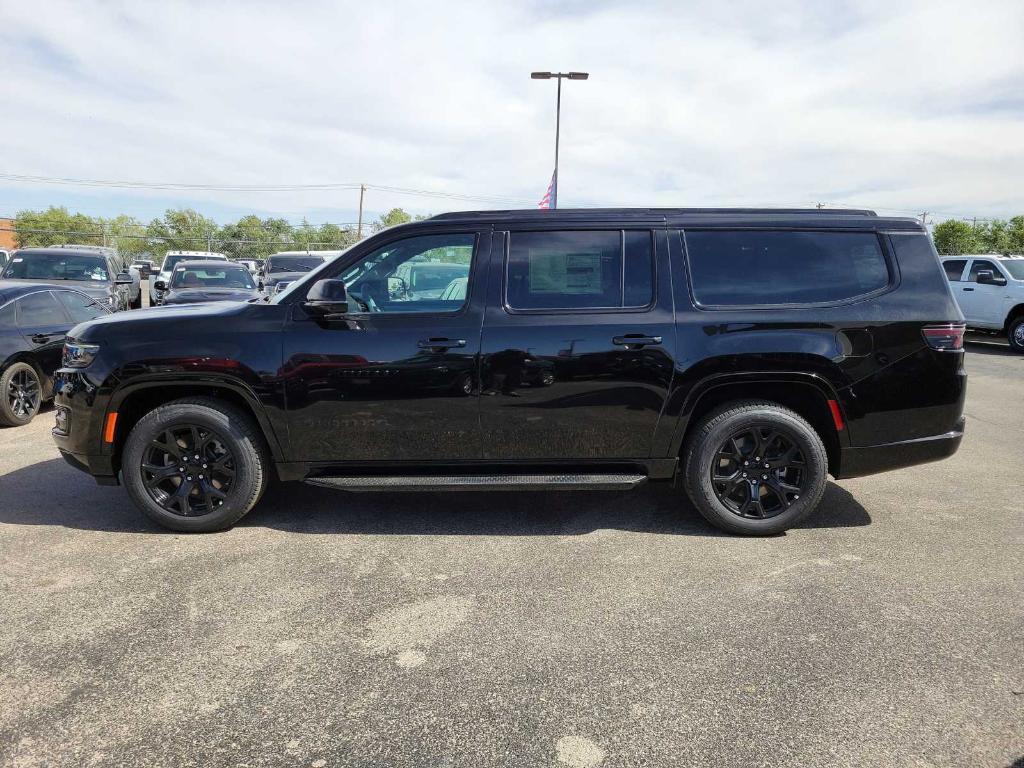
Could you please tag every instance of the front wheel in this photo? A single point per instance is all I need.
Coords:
(754, 468)
(195, 465)
(1015, 334)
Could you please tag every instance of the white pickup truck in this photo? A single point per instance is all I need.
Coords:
(990, 291)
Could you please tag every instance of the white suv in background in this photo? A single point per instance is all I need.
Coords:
(990, 291)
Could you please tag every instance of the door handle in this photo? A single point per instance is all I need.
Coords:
(968, 289)
(440, 343)
(41, 338)
(635, 340)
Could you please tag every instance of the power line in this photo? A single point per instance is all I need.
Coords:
(232, 187)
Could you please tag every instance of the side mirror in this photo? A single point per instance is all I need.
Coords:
(123, 278)
(327, 299)
(397, 287)
(988, 277)
(160, 285)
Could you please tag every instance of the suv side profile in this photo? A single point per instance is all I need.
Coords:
(746, 354)
(989, 288)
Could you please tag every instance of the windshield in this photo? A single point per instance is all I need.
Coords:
(293, 263)
(1015, 267)
(171, 262)
(56, 266)
(212, 277)
(428, 277)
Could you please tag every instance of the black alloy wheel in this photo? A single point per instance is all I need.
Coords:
(24, 394)
(188, 470)
(759, 472)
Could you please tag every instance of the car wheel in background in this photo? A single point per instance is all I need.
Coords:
(196, 464)
(1015, 334)
(22, 394)
(754, 468)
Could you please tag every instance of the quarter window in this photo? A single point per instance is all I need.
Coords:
(954, 269)
(744, 268)
(580, 270)
(80, 307)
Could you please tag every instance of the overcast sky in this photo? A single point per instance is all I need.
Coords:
(901, 106)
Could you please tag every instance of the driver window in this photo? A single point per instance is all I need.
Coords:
(429, 273)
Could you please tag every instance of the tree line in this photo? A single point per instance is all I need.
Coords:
(995, 236)
(185, 229)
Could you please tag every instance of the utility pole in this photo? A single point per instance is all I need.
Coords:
(924, 218)
(359, 226)
(819, 206)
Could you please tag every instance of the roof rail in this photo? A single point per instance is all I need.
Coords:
(581, 212)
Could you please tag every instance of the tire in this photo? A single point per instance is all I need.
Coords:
(219, 499)
(1015, 334)
(18, 404)
(784, 496)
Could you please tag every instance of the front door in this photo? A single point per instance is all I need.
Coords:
(576, 359)
(982, 303)
(398, 381)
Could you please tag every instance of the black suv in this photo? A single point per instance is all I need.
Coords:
(746, 353)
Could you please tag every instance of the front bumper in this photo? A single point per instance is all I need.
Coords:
(80, 441)
(869, 460)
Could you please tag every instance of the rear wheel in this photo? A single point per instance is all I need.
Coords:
(195, 465)
(754, 468)
(22, 394)
(1015, 334)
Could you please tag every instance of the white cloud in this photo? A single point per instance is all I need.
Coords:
(908, 106)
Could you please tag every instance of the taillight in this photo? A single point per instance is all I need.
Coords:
(947, 338)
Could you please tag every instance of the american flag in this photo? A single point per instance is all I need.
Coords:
(550, 199)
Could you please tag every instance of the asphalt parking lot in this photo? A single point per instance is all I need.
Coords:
(577, 629)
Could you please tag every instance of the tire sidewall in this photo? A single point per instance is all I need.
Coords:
(8, 416)
(249, 473)
(705, 450)
(1014, 327)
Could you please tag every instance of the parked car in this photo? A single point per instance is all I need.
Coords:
(747, 353)
(171, 259)
(34, 319)
(89, 269)
(429, 279)
(196, 281)
(288, 266)
(249, 264)
(990, 292)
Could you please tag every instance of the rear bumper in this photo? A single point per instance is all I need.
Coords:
(857, 462)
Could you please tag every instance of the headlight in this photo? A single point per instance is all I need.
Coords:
(79, 355)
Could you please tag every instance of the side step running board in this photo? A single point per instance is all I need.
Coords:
(578, 482)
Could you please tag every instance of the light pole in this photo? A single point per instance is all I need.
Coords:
(558, 113)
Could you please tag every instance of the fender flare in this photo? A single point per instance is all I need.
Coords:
(203, 380)
(714, 381)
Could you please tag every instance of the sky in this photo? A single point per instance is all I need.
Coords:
(903, 107)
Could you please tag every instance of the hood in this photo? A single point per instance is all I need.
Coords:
(195, 295)
(206, 317)
(97, 289)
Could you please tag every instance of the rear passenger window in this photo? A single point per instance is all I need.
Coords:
(763, 268)
(79, 306)
(954, 269)
(580, 270)
(39, 310)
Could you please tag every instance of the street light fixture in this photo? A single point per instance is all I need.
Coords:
(558, 113)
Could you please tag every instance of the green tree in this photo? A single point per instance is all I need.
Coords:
(56, 226)
(956, 237)
(393, 218)
(182, 230)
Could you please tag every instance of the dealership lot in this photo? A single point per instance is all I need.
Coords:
(575, 629)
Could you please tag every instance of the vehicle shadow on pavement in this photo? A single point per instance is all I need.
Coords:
(994, 348)
(52, 493)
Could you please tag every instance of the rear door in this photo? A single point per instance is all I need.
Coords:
(576, 356)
